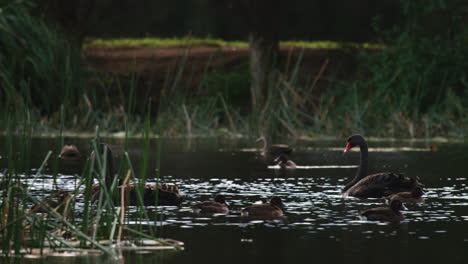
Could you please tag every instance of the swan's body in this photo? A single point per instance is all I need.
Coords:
(415, 196)
(275, 149)
(273, 209)
(389, 214)
(218, 205)
(376, 185)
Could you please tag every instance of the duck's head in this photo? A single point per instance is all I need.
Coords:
(354, 140)
(417, 191)
(70, 152)
(276, 201)
(219, 198)
(396, 205)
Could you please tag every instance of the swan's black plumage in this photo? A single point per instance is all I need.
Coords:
(376, 185)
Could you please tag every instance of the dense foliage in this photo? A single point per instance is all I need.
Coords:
(38, 67)
(418, 84)
(413, 84)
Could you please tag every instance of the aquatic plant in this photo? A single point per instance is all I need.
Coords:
(31, 225)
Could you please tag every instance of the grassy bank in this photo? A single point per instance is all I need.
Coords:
(414, 86)
(194, 42)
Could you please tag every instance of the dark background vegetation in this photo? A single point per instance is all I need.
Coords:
(338, 20)
(415, 85)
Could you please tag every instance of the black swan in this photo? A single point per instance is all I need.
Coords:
(273, 150)
(166, 195)
(415, 196)
(375, 185)
(218, 205)
(389, 214)
(70, 152)
(283, 162)
(270, 210)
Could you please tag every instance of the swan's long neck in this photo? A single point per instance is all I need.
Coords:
(266, 143)
(363, 166)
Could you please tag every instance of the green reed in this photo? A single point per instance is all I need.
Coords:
(22, 229)
(412, 86)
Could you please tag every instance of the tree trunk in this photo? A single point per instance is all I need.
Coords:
(263, 20)
(263, 53)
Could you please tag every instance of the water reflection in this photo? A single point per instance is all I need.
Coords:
(318, 224)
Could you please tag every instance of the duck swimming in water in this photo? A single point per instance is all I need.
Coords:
(273, 209)
(415, 196)
(56, 202)
(164, 194)
(387, 214)
(70, 152)
(375, 185)
(217, 206)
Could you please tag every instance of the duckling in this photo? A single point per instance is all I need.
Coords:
(273, 209)
(387, 214)
(284, 162)
(415, 196)
(218, 205)
(70, 152)
(275, 149)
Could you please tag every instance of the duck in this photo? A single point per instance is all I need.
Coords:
(376, 185)
(57, 202)
(218, 205)
(273, 209)
(275, 149)
(166, 195)
(284, 163)
(384, 213)
(70, 152)
(414, 196)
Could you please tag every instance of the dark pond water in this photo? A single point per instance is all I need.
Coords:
(319, 224)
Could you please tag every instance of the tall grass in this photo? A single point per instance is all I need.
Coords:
(99, 222)
(417, 85)
(414, 85)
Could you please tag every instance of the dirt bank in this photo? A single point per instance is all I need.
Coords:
(158, 66)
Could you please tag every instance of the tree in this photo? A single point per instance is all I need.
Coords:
(262, 18)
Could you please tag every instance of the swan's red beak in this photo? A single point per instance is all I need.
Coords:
(348, 147)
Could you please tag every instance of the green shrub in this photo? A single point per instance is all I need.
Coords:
(420, 78)
(38, 67)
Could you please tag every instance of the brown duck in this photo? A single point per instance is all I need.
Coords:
(57, 202)
(415, 196)
(375, 185)
(163, 194)
(217, 206)
(273, 209)
(387, 214)
(70, 152)
(152, 193)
